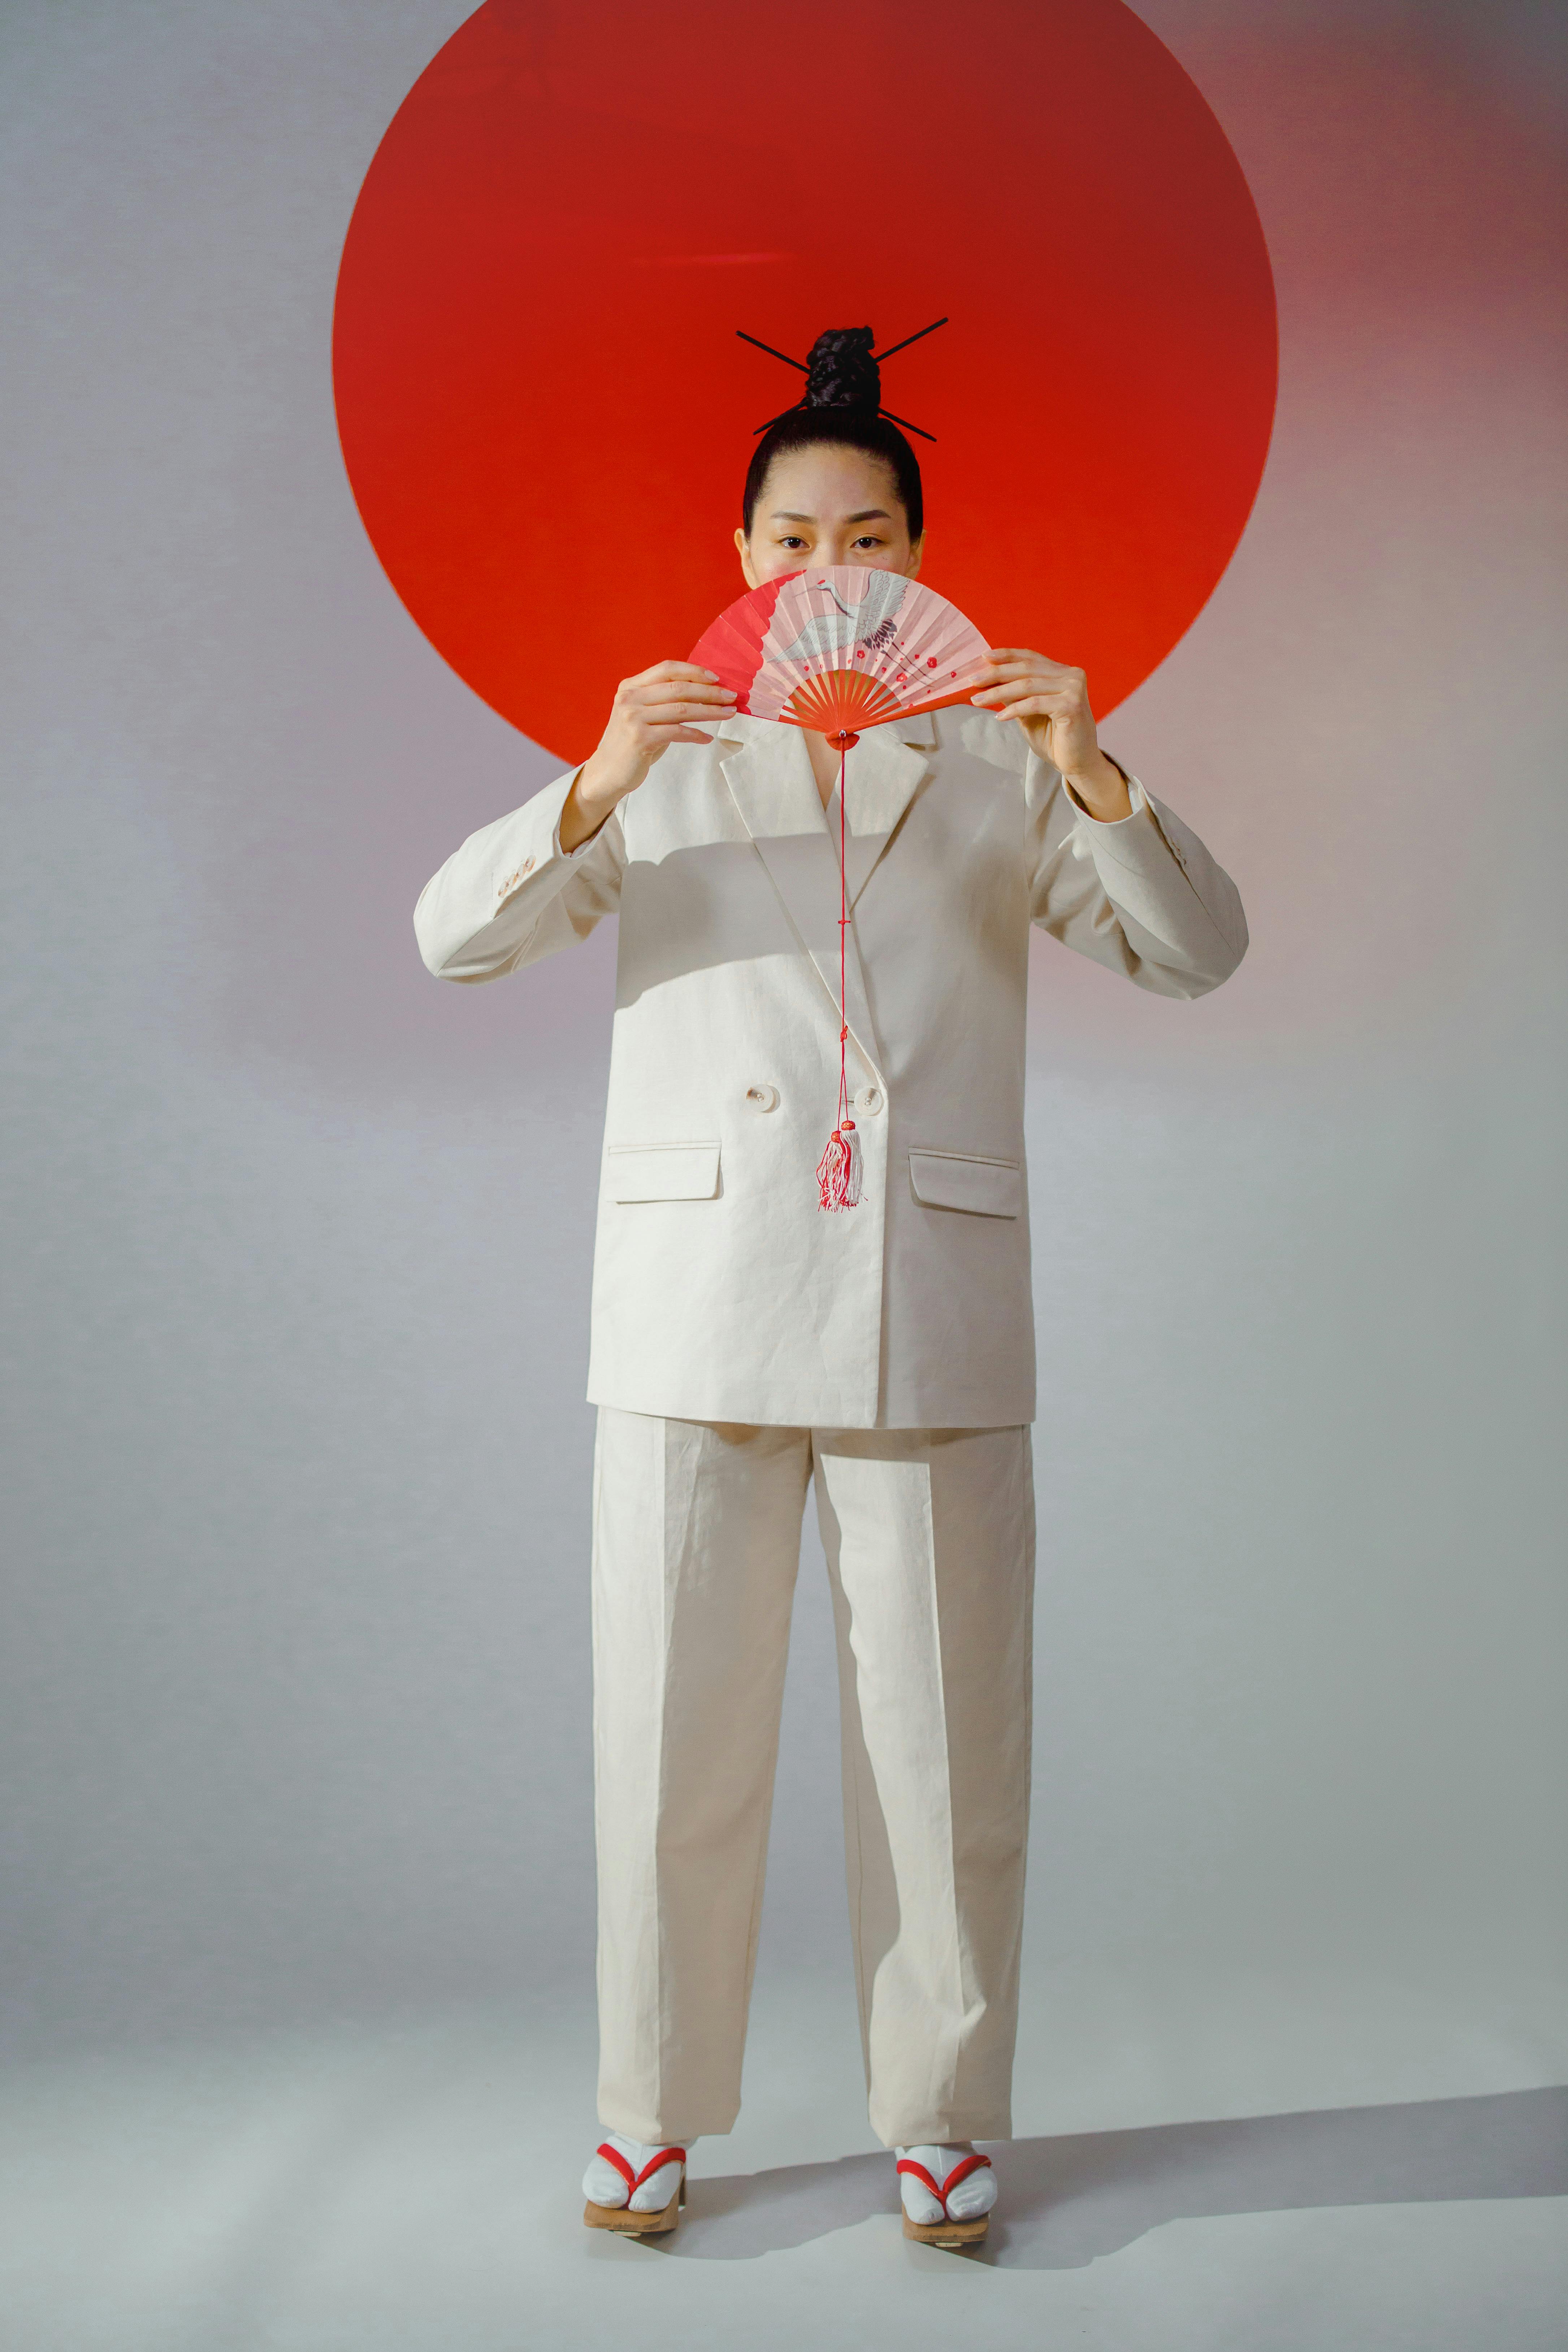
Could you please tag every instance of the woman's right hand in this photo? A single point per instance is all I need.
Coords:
(650, 713)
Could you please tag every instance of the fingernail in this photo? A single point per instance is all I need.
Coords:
(711, 676)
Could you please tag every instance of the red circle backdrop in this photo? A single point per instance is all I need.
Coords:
(546, 415)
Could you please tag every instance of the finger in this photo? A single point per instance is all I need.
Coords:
(995, 697)
(1030, 666)
(661, 714)
(1032, 658)
(673, 669)
(1028, 681)
(670, 689)
(1037, 706)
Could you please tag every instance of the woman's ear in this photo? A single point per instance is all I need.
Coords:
(748, 568)
(917, 555)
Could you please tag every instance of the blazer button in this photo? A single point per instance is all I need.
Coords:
(762, 1098)
(869, 1100)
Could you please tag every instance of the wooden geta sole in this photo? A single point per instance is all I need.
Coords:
(635, 2225)
(948, 2234)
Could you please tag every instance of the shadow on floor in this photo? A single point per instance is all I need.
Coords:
(1065, 2202)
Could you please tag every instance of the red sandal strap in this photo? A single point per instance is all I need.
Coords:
(613, 2156)
(634, 2181)
(961, 2171)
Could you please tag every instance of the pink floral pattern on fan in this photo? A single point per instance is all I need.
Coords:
(843, 648)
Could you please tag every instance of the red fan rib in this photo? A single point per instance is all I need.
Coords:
(841, 700)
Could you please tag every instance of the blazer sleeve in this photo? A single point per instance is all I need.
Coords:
(512, 895)
(1141, 894)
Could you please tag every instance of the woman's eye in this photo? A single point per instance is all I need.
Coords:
(871, 539)
(789, 541)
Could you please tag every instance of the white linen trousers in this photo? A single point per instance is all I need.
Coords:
(928, 1536)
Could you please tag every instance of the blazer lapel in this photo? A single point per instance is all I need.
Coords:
(882, 772)
(770, 780)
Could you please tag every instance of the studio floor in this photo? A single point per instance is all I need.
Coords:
(315, 2192)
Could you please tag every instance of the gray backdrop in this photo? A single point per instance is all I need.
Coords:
(295, 1716)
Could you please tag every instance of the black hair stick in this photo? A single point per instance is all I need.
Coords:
(905, 423)
(880, 356)
(772, 354)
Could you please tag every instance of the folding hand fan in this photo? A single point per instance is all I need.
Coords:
(843, 648)
(835, 650)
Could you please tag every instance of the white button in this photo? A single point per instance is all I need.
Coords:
(869, 1100)
(760, 1099)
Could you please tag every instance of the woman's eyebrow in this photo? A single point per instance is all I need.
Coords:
(867, 514)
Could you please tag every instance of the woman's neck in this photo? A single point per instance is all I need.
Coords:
(823, 764)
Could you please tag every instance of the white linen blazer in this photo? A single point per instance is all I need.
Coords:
(721, 1290)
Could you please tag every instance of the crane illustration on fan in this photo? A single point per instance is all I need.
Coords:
(838, 650)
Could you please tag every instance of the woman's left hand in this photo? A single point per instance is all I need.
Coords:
(1050, 703)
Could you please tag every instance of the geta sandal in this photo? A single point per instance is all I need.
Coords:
(621, 2217)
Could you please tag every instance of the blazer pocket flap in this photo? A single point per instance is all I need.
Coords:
(952, 1180)
(663, 1171)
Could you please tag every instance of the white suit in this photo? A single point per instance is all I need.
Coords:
(745, 1342)
(721, 1292)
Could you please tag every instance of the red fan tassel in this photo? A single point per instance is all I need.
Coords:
(838, 1170)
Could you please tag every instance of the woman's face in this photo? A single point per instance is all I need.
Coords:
(826, 505)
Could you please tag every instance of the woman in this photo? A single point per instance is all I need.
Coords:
(745, 1345)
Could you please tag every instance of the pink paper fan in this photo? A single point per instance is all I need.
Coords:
(843, 648)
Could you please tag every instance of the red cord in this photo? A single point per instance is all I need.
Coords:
(838, 1170)
(843, 928)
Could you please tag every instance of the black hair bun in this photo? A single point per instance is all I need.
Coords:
(840, 371)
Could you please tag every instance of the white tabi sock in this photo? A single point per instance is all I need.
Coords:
(604, 2184)
(966, 2201)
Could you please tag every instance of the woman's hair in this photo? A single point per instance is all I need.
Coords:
(839, 406)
